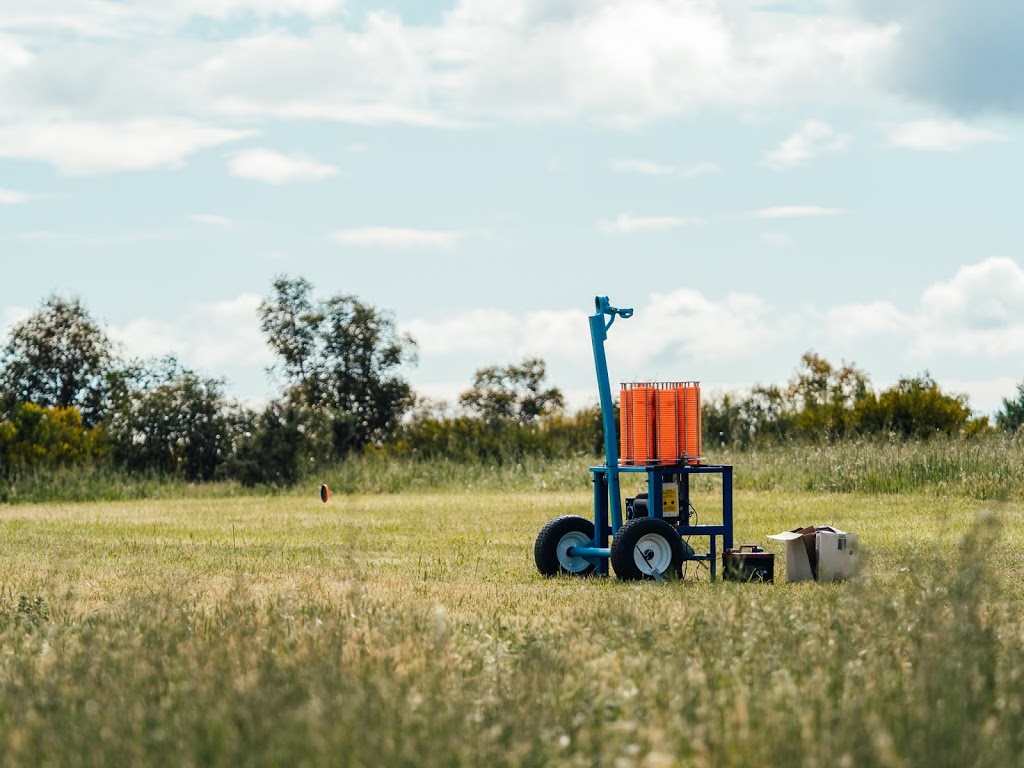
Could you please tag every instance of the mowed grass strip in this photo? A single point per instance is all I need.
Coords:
(413, 629)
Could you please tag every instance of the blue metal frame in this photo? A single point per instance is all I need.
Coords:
(607, 490)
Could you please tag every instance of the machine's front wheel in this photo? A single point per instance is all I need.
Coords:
(551, 550)
(647, 548)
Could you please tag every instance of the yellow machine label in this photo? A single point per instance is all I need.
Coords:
(669, 499)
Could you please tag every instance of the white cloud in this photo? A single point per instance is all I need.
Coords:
(82, 148)
(939, 135)
(229, 331)
(474, 331)
(813, 138)
(220, 9)
(144, 337)
(399, 237)
(699, 169)
(355, 114)
(798, 58)
(209, 336)
(631, 61)
(12, 54)
(652, 168)
(979, 311)
(685, 325)
(385, 73)
(444, 394)
(623, 62)
(777, 239)
(275, 168)
(796, 212)
(101, 19)
(212, 219)
(878, 318)
(628, 224)
(645, 167)
(980, 296)
(620, 61)
(85, 18)
(12, 197)
(564, 334)
(561, 334)
(986, 395)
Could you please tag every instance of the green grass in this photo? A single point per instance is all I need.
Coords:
(989, 468)
(412, 629)
(359, 474)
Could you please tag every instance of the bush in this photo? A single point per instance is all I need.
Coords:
(467, 438)
(268, 447)
(42, 437)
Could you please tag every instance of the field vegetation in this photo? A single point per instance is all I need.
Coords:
(411, 628)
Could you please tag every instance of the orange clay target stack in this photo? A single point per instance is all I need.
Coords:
(659, 442)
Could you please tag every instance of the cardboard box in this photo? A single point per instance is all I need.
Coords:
(819, 552)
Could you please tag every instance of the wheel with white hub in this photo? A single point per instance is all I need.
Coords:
(551, 550)
(648, 548)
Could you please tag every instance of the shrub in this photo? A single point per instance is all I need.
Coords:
(37, 436)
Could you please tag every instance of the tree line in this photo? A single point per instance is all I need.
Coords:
(68, 396)
(822, 402)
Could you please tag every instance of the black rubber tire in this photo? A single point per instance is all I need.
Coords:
(555, 537)
(648, 536)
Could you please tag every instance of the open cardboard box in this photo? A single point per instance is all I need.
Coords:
(819, 552)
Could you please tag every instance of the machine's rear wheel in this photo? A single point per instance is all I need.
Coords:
(646, 548)
(551, 550)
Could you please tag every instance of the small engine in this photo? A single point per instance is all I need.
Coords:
(638, 505)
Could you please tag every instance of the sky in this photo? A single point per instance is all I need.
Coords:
(756, 179)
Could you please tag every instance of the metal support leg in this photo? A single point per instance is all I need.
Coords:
(601, 528)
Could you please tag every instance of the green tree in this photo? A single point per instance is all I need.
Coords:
(170, 420)
(340, 357)
(1011, 417)
(916, 407)
(513, 392)
(292, 324)
(722, 421)
(824, 399)
(767, 415)
(268, 446)
(58, 357)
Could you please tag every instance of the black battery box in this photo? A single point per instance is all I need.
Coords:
(748, 564)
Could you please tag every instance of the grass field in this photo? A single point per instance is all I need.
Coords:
(412, 629)
(989, 468)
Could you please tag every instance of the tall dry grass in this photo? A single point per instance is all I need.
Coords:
(412, 629)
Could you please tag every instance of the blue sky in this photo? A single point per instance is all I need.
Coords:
(756, 179)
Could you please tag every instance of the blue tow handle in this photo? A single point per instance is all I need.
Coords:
(604, 307)
(598, 335)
